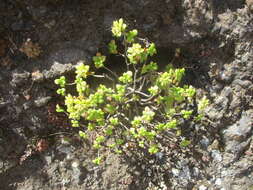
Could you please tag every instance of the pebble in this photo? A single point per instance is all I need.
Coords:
(244, 84)
(250, 4)
(48, 159)
(75, 164)
(27, 105)
(216, 155)
(57, 69)
(37, 76)
(65, 149)
(218, 181)
(202, 187)
(175, 172)
(226, 76)
(42, 101)
(239, 130)
(205, 142)
(19, 78)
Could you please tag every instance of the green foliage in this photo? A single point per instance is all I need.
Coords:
(140, 106)
(99, 60)
(118, 28)
(112, 47)
(131, 35)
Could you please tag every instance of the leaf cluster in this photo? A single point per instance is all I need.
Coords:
(139, 108)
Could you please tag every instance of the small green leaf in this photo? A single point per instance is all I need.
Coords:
(99, 60)
(118, 28)
(95, 115)
(91, 126)
(109, 130)
(114, 121)
(97, 160)
(186, 113)
(202, 104)
(119, 141)
(131, 35)
(82, 70)
(127, 77)
(153, 149)
(151, 49)
(112, 47)
(185, 143)
(75, 123)
(118, 151)
(82, 134)
(136, 121)
(154, 90)
(59, 109)
(147, 114)
(152, 66)
(61, 91)
(135, 53)
(60, 81)
(100, 139)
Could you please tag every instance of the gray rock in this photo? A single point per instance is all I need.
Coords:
(221, 103)
(216, 155)
(67, 55)
(226, 75)
(37, 76)
(175, 172)
(235, 103)
(249, 4)
(57, 69)
(202, 187)
(205, 142)
(48, 159)
(42, 101)
(240, 130)
(244, 84)
(19, 78)
(68, 150)
(227, 92)
(27, 105)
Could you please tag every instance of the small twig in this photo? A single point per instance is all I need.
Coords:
(123, 126)
(146, 103)
(99, 76)
(132, 91)
(113, 73)
(135, 75)
(15, 46)
(149, 99)
(126, 118)
(142, 84)
(70, 84)
(60, 133)
(125, 52)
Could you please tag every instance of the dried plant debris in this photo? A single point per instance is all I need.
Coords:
(42, 145)
(6, 61)
(3, 46)
(31, 49)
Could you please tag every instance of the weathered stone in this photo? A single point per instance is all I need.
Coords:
(57, 69)
(240, 130)
(19, 78)
(42, 101)
(249, 4)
